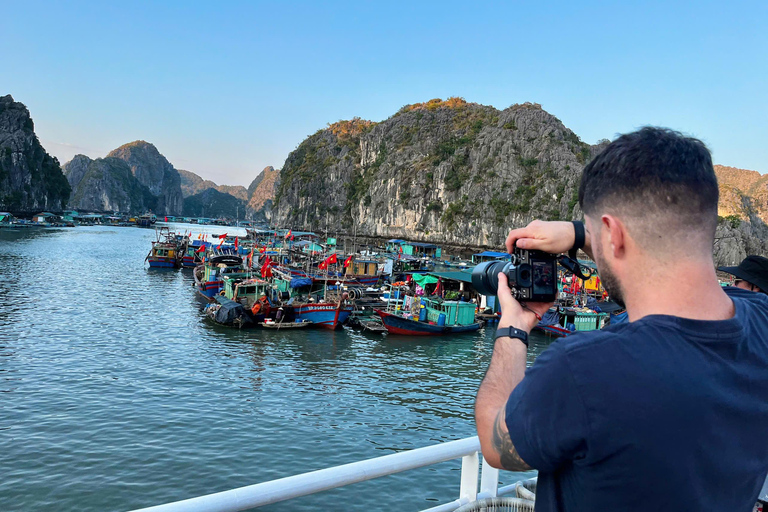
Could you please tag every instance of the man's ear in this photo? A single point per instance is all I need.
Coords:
(617, 234)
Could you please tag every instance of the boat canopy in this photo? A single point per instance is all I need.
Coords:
(457, 275)
(229, 310)
(424, 279)
(492, 254)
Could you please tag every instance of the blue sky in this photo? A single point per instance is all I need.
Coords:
(225, 88)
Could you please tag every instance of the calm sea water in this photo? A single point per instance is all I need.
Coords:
(117, 394)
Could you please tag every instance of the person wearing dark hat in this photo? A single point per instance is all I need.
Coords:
(751, 274)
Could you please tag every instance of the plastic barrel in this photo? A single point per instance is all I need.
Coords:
(441, 319)
(423, 314)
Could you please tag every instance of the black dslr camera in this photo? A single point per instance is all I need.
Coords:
(532, 276)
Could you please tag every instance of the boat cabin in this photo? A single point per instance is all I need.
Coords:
(456, 313)
(363, 268)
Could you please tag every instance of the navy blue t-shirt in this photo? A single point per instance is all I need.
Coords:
(660, 414)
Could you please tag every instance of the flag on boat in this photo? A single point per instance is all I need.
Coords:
(266, 268)
(327, 261)
(289, 234)
(348, 261)
(222, 237)
(201, 248)
(236, 246)
(166, 219)
(250, 257)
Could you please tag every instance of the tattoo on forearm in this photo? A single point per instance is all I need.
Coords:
(510, 459)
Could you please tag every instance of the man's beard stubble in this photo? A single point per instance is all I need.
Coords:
(608, 278)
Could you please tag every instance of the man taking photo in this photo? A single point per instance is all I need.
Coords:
(668, 411)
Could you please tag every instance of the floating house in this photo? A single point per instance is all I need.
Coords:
(45, 218)
(418, 249)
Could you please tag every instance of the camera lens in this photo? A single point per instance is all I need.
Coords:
(485, 276)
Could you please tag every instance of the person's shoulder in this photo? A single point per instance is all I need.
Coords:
(755, 298)
(581, 341)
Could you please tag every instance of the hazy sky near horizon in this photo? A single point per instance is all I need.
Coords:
(224, 89)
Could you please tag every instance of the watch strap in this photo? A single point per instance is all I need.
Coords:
(579, 238)
(512, 332)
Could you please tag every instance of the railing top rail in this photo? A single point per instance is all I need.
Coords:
(257, 495)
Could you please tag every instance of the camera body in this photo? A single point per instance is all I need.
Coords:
(532, 276)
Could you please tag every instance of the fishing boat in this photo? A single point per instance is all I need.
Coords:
(193, 256)
(329, 315)
(167, 251)
(209, 276)
(435, 317)
(362, 271)
(147, 220)
(562, 322)
(227, 312)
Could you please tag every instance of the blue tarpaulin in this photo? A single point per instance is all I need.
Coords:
(298, 282)
(492, 254)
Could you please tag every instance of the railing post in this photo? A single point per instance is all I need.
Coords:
(470, 467)
(489, 480)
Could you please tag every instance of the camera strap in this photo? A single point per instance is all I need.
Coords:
(573, 266)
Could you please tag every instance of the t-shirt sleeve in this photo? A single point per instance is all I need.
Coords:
(545, 415)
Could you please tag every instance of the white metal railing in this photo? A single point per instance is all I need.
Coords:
(282, 489)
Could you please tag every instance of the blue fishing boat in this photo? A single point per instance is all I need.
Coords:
(192, 258)
(328, 315)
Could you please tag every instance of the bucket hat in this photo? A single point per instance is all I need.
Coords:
(754, 270)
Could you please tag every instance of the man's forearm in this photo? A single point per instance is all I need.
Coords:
(506, 370)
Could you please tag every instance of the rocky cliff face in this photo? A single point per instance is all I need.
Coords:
(30, 179)
(107, 185)
(743, 193)
(261, 193)
(192, 184)
(442, 171)
(212, 203)
(155, 172)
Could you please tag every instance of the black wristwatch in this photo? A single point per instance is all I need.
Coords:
(512, 332)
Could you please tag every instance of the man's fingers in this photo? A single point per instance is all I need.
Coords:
(503, 284)
(515, 236)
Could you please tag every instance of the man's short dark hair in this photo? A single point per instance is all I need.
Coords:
(659, 180)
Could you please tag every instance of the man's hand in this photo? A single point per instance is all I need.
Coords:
(513, 314)
(554, 237)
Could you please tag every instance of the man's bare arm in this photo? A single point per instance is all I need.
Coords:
(505, 371)
(502, 444)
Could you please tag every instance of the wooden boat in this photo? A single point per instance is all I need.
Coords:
(167, 251)
(562, 322)
(436, 317)
(329, 315)
(272, 324)
(208, 277)
(363, 271)
(398, 324)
